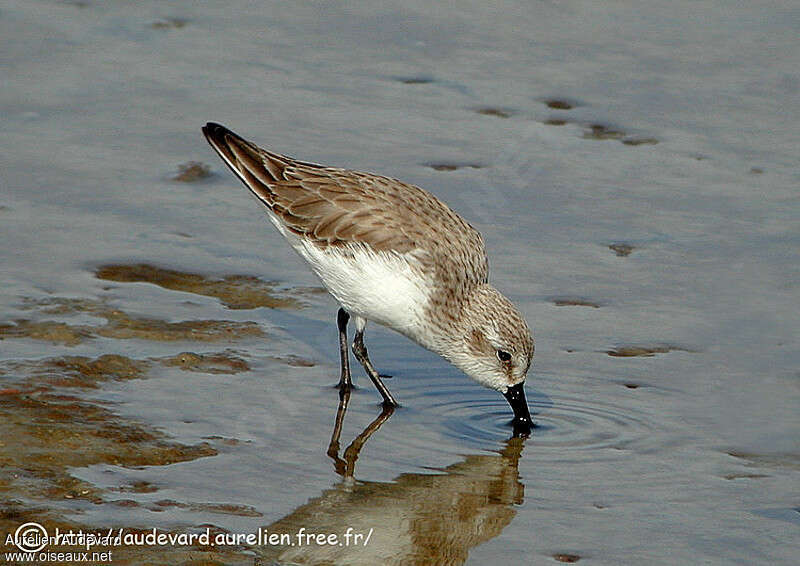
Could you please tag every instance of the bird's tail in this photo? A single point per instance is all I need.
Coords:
(257, 168)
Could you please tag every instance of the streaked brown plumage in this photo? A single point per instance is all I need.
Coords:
(340, 220)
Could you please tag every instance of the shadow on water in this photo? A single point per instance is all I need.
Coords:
(417, 518)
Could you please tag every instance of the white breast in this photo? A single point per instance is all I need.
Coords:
(385, 287)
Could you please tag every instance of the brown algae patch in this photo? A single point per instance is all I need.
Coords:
(222, 508)
(44, 434)
(643, 351)
(169, 23)
(294, 361)
(496, 112)
(191, 172)
(415, 80)
(555, 122)
(63, 305)
(559, 104)
(567, 558)
(789, 461)
(574, 302)
(120, 325)
(602, 132)
(234, 291)
(137, 487)
(621, 249)
(88, 373)
(79, 371)
(744, 476)
(221, 363)
(640, 141)
(225, 440)
(46, 331)
(452, 166)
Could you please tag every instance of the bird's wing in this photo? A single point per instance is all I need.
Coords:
(334, 206)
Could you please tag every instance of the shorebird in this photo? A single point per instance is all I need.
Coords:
(394, 254)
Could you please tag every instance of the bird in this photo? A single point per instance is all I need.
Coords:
(391, 253)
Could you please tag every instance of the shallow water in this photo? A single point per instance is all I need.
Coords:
(166, 361)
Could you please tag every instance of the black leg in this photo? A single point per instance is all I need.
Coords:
(360, 350)
(345, 383)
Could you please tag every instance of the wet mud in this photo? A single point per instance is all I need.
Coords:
(233, 291)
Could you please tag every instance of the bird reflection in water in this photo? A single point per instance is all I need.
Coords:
(433, 518)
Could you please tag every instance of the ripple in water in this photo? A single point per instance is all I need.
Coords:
(570, 427)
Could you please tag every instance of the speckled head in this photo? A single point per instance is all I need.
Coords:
(494, 346)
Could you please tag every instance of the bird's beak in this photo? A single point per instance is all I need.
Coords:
(515, 396)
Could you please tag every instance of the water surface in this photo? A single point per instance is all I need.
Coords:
(168, 362)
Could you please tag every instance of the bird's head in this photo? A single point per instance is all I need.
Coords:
(494, 346)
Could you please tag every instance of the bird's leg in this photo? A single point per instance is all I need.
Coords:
(345, 466)
(345, 382)
(351, 452)
(339, 464)
(360, 351)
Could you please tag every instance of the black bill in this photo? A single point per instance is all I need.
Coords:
(522, 418)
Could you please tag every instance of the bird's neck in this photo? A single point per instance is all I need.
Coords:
(445, 329)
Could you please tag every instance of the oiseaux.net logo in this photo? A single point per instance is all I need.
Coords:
(29, 537)
(32, 539)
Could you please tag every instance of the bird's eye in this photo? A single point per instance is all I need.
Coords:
(503, 356)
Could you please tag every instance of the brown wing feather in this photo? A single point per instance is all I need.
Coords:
(336, 206)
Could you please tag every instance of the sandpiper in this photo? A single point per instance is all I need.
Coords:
(394, 254)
